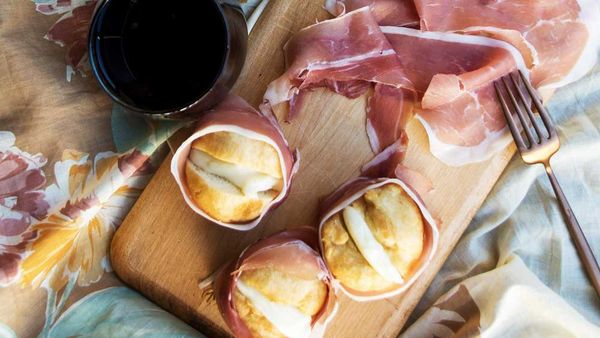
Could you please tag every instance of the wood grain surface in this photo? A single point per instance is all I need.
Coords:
(164, 250)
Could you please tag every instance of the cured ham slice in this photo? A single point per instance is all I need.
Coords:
(558, 38)
(347, 55)
(388, 112)
(392, 231)
(237, 122)
(452, 75)
(388, 163)
(386, 12)
(293, 254)
(341, 54)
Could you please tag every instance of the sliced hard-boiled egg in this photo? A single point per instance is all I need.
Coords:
(287, 319)
(249, 181)
(368, 246)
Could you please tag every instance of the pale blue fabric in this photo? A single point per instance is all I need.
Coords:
(119, 312)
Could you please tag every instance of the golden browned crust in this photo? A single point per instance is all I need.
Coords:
(396, 223)
(234, 148)
(221, 200)
(218, 197)
(308, 296)
(345, 261)
(258, 325)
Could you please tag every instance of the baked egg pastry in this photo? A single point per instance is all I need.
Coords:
(279, 287)
(376, 237)
(236, 166)
(231, 177)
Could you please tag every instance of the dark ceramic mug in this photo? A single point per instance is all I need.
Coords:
(167, 59)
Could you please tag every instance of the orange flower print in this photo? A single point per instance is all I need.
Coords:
(91, 199)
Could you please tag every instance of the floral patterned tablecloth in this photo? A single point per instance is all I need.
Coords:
(71, 166)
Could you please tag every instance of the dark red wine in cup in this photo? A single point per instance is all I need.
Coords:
(159, 55)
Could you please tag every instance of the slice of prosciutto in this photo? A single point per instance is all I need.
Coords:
(348, 55)
(389, 110)
(558, 38)
(388, 163)
(386, 12)
(452, 76)
(237, 116)
(293, 252)
(345, 54)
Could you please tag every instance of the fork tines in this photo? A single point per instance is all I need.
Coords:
(521, 96)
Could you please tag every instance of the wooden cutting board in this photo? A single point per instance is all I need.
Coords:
(164, 250)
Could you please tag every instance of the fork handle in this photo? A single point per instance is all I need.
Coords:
(583, 248)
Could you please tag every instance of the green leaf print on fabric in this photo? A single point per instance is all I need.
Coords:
(134, 131)
(119, 312)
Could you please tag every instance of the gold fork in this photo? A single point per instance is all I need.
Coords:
(539, 148)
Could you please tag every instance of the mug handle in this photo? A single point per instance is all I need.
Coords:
(251, 21)
(256, 13)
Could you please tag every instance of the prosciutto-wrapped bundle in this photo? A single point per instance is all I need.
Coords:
(376, 234)
(236, 166)
(279, 286)
(386, 12)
